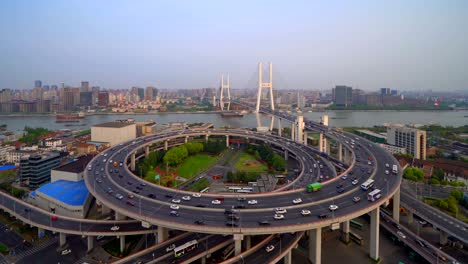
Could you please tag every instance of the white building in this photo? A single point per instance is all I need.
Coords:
(113, 132)
(414, 140)
(4, 152)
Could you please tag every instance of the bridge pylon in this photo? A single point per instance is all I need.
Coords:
(262, 85)
(224, 86)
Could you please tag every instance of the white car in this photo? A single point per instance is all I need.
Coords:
(66, 251)
(177, 201)
(280, 210)
(174, 207)
(369, 163)
(356, 199)
(344, 177)
(386, 165)
(401, 234)
(279, 216)
(216, 202)
(186, 198)
(115, 228)
(333, 207)
(252, 202)
(170, 247)
(297, 201)
(355, 182)
(305, 212)
(387, 172)
(196, 195)
(270, 248)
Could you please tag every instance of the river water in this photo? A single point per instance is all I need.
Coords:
(336, 118)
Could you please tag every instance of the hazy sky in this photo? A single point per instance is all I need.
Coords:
(402, 44)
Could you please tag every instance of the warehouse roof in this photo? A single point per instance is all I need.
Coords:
(68, 192)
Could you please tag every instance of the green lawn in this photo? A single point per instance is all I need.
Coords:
(199, 185)
(248, 163)
(195, 164)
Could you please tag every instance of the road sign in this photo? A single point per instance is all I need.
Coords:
(156, 177)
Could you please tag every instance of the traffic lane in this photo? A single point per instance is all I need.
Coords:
(280, 242)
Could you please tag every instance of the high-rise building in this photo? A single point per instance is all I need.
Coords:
(5, 95)
(103, 98)
(385, 91)
(414, 140)
(37, 83)
(151, 93)
(343, 95)
(84, 87)
(35, 169)
(67, 99)
(86, 98)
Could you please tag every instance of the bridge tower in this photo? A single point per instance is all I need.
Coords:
(262, 85)
(225, 86)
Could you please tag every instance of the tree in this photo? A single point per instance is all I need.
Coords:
(457, 194)
(413, 174)
(175, 155)
(434, 181)
(194, 147)
(438, 173)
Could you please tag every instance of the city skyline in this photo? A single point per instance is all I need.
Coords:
(313, 46)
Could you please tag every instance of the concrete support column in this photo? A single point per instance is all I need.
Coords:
(122, 244)
(288, 258)
(248, 242)
(443, 237)
(132, 162)
(206, 138)
(410, 216)
(147, 151)
(238, 244)
(345, 156)
(327, 147)
(203, 260)
(186, 139)
(90, 243)
(119, 216)
(340, 152)
(345, 232)
(293, 131)
(286, 154)
(279, 127)
(315, 245)
(322, 143)
(166, 145)
(396, 206)
(227, 141)
(374, 234)
(163, 234)
(305, 138)
(62, 239)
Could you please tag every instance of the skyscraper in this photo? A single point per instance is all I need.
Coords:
(84, 87)
(414, 140)
(343, 95)
(37, 83)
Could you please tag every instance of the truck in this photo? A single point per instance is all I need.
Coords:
(116, 163)
(394, 169)
(313, 187)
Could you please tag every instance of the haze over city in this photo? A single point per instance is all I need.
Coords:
(406, 45)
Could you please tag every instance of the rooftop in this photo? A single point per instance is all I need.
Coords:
(77, 165)
(68, 192)
(115, 124)
(368, 132)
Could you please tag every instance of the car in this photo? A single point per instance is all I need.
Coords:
(305, 212)
(322, 216)
(356, 199)
(141, 188)
(241, 199)
(231, 223)
(280, 210)
(174, 207)
(170, 247)
(99, 180)
(387, 172)
(199, 222)
(174, 213)
(177, 201)
(233, 217)
(386, 165)
(239, 206)
(167, 195)
(270, 248)
(252, 202)
(151, 196)
(131, 196)
(119, 196)
(130, 203)
(369, 163)
(344, 177)
(66, 251)
(264, 223)
(339, 190)
(136, 191)
(333, 207)
(200, 205)
(115, 228)
(278, 216)
(54, 218)
(143, 184)
(355, 182)
(401, 234)
(216, 202)
(297, 201)
(369, 171)
(196, 195)
(186, 198)
(129, 183)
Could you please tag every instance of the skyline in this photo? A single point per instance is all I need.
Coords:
(405, 46)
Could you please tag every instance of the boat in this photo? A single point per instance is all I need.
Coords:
(231, 115)
(71, 117)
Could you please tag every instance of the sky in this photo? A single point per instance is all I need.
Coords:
(116, 44)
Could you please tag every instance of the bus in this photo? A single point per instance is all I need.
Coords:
(234, 189)
(374, 195)
(367, 184)
(313, 187)
(355, 224)
(394, 169)
(244, 191)
(356, 238)
(187, 247)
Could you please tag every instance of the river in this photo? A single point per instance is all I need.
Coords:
(336, 118)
